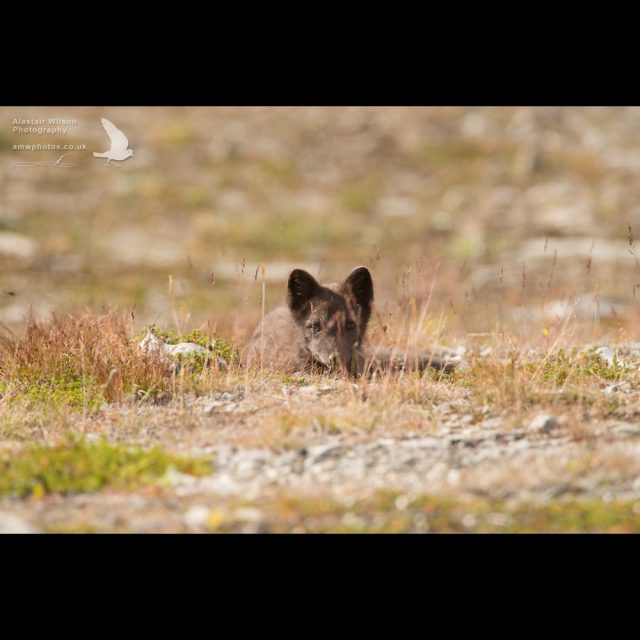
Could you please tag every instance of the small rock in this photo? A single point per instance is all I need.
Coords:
(313, 389)
(152, 345)
(499, 519)
(185, 349)
(308, 390)
(627, 430)
(326, 389)
(16, 245)
(196, 517)
(634, 349)
(453, 477)
(249, 520)
(606, 354)
(623, 386)
(322, 452)
(248, 514)
(10, 523)
(212, 406)
(469, 521)
(543, 423)
(460, 351)
(174, 478)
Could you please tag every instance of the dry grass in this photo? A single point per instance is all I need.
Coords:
(92, 369)
(94, 353)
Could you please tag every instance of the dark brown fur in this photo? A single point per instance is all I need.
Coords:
(323, 327)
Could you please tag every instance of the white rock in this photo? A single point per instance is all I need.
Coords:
(152, 345)
(10, 523)
(175, 478)
(543, 422)
(184, 349)
(313, 389)
(460, 351)
(606, 354)
(499, 519)
(209, 408)
(16, 245)
(196, 517)
(453, 477)
(469, 521)
(624, 386)
(326, 389)
(248, 514)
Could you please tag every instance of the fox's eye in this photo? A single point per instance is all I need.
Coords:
(351, 325)
(316, 326)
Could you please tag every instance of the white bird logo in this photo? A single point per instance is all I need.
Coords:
(119, 143)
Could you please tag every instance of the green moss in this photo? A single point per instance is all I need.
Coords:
(79, 467)
(563, 377)
(297, 380)
(67, 389)
(559, 366)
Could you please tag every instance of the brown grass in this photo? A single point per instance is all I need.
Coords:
(89, 347)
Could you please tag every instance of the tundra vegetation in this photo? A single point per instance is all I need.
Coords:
(504, 236)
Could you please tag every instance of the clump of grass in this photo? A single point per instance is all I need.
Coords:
(77, 361)
(79, 467)
(83, 362)
(560, 376)
(63, 390)
(559, 366)
(295, 379)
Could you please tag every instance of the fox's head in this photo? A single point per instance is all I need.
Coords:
(333, 318)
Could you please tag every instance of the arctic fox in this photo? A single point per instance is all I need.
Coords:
(323, 328)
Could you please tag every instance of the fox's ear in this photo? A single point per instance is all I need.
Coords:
(301, 288)
(359, 288)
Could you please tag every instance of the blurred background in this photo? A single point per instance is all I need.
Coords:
(503, 218)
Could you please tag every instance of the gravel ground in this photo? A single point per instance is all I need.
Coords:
(460, 455)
